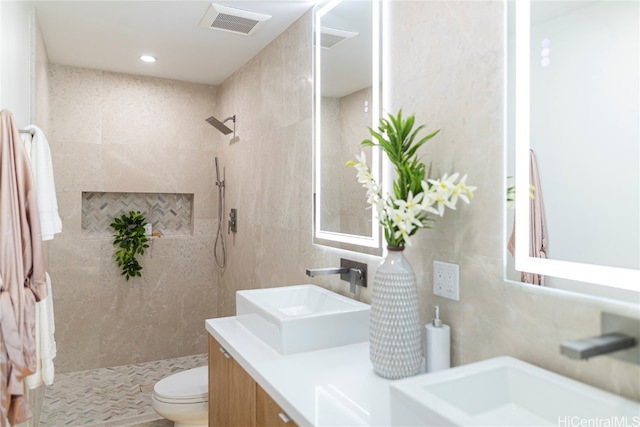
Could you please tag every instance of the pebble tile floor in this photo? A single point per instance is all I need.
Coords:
(110, 397)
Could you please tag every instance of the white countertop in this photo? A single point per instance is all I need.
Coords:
(332, 387)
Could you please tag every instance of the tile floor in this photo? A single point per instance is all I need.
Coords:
(110, 397)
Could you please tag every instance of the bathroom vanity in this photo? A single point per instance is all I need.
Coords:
(334, 386)
(294, 355)
(257, 386)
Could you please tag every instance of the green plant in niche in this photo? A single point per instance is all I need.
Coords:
(131, 241)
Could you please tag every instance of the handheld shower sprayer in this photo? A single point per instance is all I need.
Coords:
(218, 182)
(220, 255)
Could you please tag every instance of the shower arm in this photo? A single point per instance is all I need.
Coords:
(233, 120)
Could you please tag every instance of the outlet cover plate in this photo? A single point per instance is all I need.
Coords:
(446, 280)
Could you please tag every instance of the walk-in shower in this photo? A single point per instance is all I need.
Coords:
(219, 249)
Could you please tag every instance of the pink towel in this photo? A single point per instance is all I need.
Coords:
(537, 225)
(22, 272)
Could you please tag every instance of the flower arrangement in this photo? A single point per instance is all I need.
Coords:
(415, 196)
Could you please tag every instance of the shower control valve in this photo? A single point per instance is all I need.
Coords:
(233, 221)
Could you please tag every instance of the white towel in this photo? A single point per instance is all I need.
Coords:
(45, 342)
(42, 168)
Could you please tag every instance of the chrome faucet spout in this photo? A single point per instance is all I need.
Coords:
(313, 272)
(353, 272)
(594, 346)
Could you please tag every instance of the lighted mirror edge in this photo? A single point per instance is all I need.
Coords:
(374, 240)
(621, 278)
(522, 124)
(614, 277)
(317, 102)
(370, 242)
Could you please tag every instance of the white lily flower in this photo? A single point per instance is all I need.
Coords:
(403, 229)
(442, 203)
(429, 196)
(401, 218)
(463, 191)
(445, 184)
(411, 206)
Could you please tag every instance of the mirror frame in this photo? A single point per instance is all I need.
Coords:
(358, 243)
(615, 277)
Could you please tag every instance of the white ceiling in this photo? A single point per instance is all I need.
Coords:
(111, 35)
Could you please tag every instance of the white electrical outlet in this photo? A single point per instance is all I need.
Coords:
(446, 280)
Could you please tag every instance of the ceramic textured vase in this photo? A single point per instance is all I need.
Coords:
(395, 330)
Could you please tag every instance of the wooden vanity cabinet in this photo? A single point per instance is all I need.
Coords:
(235, 399)
(232, 392)
(268, 413)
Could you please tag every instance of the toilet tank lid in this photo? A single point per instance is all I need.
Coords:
(184, 385)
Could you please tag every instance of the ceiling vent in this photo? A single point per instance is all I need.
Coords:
(233, 20)
(330, 37)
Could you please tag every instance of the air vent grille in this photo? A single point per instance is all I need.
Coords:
(329, 37)
(328, 41)
(233, 23)
(233, 20)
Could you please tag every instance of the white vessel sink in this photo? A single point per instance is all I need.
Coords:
(293, 319)
(504, 392)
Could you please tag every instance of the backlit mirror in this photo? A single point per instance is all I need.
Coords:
(573, 70)
(346, 102)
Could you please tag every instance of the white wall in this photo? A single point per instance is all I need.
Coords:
(16, 24)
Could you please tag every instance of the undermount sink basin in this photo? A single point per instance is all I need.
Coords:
(294, 319)
(504, 392)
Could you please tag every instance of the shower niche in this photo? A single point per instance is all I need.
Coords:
(169, 213)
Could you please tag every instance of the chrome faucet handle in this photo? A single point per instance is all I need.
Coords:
(355, 276)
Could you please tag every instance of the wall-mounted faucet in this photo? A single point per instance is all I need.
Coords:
(594, 346)
(618, 333)
(353, 272)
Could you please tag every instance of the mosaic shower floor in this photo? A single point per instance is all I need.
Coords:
(110, 397)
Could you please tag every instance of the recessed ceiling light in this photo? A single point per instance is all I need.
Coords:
(148, 58)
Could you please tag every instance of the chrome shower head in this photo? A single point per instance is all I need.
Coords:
(220, 125)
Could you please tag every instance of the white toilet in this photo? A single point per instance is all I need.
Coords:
(183, 398)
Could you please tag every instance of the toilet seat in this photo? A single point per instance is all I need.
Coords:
(187, 387)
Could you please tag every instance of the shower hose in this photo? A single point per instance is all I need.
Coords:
(222, 260)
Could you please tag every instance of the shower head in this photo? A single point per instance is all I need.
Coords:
(220, 125)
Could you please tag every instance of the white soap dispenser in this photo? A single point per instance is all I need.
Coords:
(438, 355)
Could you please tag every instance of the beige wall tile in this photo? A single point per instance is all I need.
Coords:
(446, 67)
(123, 133)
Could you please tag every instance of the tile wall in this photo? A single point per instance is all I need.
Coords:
(446, 65)
(119, 133)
